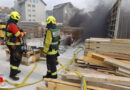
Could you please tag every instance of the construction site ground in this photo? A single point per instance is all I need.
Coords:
(37, 74)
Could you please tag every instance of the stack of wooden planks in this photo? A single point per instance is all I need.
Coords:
(116, 48)
(120, 66)
(28, 58)
(101, 71)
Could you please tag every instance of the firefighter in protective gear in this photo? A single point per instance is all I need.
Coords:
(51, 46)
(13, 42)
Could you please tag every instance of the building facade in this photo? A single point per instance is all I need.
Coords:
(119, 20)
(4, 13)
(49, 13)
(64, 12)
(31, 10)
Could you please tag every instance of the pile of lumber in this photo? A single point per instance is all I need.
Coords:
(28, 58)
(120, 66)
(100, 71)
(116, 48)
(100, 80)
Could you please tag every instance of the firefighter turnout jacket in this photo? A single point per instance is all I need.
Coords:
(14, 34)
(52, 41)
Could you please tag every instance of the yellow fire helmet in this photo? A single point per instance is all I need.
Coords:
(15, 15)
(51, 19)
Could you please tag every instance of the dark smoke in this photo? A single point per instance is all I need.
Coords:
(94, 23)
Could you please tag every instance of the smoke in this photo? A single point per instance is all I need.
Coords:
(93, 22)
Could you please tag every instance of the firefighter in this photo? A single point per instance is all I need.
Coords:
(14, 34)
(51, 45)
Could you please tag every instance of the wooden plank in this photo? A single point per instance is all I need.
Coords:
(123, 64)
(99, 84)
(54, 84)
(51, 85)
(125, 71)
(124, 49)
(121, 40)
(99, 78)
(109, 60)
(109, 40)
(61, 82)
(113, 55)
(42, 88)
(89, 60)
(98, 39)
(123, 74)
(66, 87)
(98, 59)
(109, 45)
(109, 86)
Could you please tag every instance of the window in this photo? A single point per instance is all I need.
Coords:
(33, 10)
(33, 5)
(29, 5)
(35, 1)
(33, 15)
(29, 15)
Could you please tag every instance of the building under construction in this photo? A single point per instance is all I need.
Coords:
(119, 25)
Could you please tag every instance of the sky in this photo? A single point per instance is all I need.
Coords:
(88, 4)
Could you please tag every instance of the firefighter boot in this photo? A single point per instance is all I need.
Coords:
(13, 75)
(15, 78)
(54, 76)
(18, 71)
(48, 75)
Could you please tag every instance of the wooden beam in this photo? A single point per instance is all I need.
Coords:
(94, 61)
(54, 84)
(125, 71)
(42, 88)
(117, 63)
(100, 78)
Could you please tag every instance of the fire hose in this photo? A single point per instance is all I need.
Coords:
(23, 84)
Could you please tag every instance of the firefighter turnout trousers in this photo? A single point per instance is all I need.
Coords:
(15, 58)
(51, 65)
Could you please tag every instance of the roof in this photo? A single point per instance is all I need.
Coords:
(63, 5)
(41, 1)
(5, 9)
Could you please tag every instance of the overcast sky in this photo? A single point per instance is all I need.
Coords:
(89, 5)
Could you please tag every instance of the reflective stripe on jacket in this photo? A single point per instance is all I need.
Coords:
(52, 41)
(13, 35)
